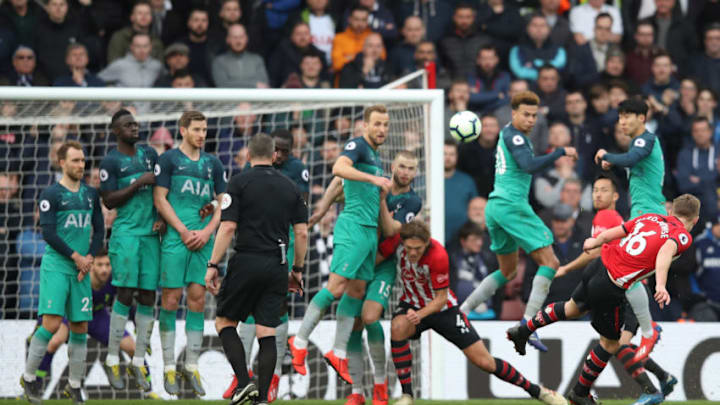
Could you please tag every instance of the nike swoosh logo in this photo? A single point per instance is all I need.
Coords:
(65, 203)
(181, 167)
(122, 169)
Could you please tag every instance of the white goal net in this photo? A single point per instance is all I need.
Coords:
(34, 122)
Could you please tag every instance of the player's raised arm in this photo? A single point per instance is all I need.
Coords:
(662, 268)
(343, 168)
(641, 147)
(604, 237)
(331, 195)
(390, 226)
(524, 157)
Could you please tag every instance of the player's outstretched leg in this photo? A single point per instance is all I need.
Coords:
(552, 313)
(484, 291)
(638, 299)
(118, 319)
(548, 264)
(402, 358)
(348, 310)
(315, 311)
(356, 365)
(595, 363)
(635, 369)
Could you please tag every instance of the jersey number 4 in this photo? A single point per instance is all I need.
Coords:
(635, 243)
(461, 325)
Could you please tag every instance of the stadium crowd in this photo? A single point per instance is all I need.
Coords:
(581, 59)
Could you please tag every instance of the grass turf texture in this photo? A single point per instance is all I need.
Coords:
(320, 402)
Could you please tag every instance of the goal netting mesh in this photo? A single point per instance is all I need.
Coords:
(31, 131)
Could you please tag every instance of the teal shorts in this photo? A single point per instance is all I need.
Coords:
(135, 261)
(63, 295)
(354, 250)
(380, 287)
(181, 266)
(512, 224)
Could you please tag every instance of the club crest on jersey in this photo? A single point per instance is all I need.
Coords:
(195, 188)
(77, 221)
(148, 163)
(305, 175)
(409, 217)
(209, 172)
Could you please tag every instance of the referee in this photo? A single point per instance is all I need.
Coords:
(259, 207)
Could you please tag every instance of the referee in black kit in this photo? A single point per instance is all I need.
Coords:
(259, 206)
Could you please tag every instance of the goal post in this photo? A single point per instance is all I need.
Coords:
(34, 119)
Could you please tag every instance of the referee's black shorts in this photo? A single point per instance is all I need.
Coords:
(255, 285)
(605, 300)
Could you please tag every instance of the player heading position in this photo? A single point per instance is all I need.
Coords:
(605, 196)
(355, 240)
(73, 227)
(126, 180)
(649, 244)
(186, 179)
(428, 303)
(647, 171)
(509, 215)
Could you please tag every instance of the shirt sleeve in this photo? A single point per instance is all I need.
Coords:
(231, 201)
(641, 147)
(629, 225)
(354, 150)
(302, 177)
(98, 225)
(683, 240)
(48, 222)
(163, 171)
(108, 175)
(300, 213)
(219, 177)
(523, 155)
(409, 210)
(440, 270)
(389, 246)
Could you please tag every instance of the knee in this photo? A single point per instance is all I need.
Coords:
(79, 327)
(551, 261)
(486, 363)
(197, 302)
(337, 286)
(356, 289)
(222, 323)
(610, 346)
(398, 329)
(146, 297)
(369, 318)
(171, 301)
(125, 296)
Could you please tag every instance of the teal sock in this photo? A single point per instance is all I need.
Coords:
(376, 344)
(348, 308)
(167, 320)
(315, 311)
(121, 308)
(194, 322)
(540, 289)
(484, 291)
(144, 320)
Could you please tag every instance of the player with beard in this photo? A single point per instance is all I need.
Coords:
(126, 181)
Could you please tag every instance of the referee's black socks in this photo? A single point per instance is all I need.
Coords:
(235, 353)
(267, 357)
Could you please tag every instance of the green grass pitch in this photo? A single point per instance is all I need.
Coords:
(320, 402)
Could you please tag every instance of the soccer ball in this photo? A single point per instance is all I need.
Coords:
(465, 126)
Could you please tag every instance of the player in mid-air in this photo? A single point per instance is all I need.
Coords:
(355, 240)
(428, 303)
(103, 293)
(510, 219)
(73, 228)
(294, 169)
(186, 180)
(401, 205)
(647, 171)
(126, 181)
(649, 244)
(605, 195)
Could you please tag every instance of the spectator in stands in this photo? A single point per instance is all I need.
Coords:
(380, 20)
(322, 26)
(705, 66)
(458, 99)
(478, 158)
(286, 58)
(368, 70)
(707, 248)
(618, 91)
(585, 137)
(639, 59)
(552, 95)
(277, 13)
(425, 53)
(44, 172)
(140, 22)
(707, 103)
(536, 50)
(30, 248)
(161, 140)
(231, 143)
(24, 71)
(539, 133)
(22, 16)
(662, 86)
(9, 229)
(168, 25)
(402, 56)
(459, 190)
(476, 213)
(463, 40)
(697, 169)
(560, 34)
(572, 194)
(322, 166)
(347, 44)
(468, 267)
(567, 245)
(137, 69)
(238, 67)
(683, 109)
(198, 44)
(583, 17)
(548, 185)
(614, 70)
(311, 67)
(8, 45)
(589, 58)
(500, 20)
(489, 85)
(674, 34)
(177, 57)
(182, 79)
(230, 13)
(76, 59)
(600, 115)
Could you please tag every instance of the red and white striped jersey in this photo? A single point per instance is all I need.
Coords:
(421, 280)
